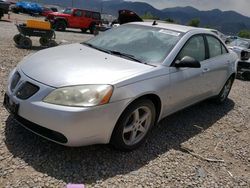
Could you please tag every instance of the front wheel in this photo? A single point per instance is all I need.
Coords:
(60, 26)
(25, 43)
(223, 95)
(134, 125)
(17, 38)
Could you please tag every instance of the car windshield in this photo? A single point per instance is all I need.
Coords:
(67, 11)
(144, 43)
(241, 43)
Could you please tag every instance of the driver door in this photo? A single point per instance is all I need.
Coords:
(187, 84)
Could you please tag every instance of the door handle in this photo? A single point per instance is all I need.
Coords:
(205, 70)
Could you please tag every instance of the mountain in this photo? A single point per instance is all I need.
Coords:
(229, 22)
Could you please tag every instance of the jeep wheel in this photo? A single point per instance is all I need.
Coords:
(92, 28)
(60, 26)
(84, 30)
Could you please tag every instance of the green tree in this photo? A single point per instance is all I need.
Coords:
(169, 20)
(244, 34)
(194, 22)
(149, 16)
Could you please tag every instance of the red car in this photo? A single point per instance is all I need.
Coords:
(75, 18)
(46, 11)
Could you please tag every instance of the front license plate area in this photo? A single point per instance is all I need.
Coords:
(11, 106)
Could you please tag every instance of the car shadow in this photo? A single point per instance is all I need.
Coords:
(34, 48)
(8, 21)
(93, 163)
(75, 31)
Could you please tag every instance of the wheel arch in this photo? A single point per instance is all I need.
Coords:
(59, 19)
(149, 96)
(154, 98)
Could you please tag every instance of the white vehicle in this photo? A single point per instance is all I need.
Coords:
(115, 87)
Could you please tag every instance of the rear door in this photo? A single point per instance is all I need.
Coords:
(87, 19)
(76, 19)
(216, 68)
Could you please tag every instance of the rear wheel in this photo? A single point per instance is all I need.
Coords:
(26, 43)
(134, 125)
(246, 75)
(84, 30)
(92, 28)
(52, 43)
(17, 38)
(223, 95)
(44, 41)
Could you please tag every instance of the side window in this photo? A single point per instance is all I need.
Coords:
(194, 48)
(88, 14)
(96, 16)
(78, 13)
(214, 46)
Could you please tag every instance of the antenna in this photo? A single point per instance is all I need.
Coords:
(155, 23)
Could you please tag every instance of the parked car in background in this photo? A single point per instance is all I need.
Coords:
(242, 48)
(75, 18)
(27, 7)
(4, 8)
(126, 16)
(46, 11)
(219, 34)
(115, 87)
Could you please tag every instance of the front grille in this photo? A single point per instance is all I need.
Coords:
(15, 79)
(47, 133)
(26, 90)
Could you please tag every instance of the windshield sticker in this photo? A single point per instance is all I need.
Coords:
(169, 32)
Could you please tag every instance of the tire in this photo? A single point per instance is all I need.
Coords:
(52, 43)
(60, 26)
(17, 38)
(84, 30)
(44, 41)
(92, 28)
(223, 95)
(25, 42)
(246, 75)
(140, 116)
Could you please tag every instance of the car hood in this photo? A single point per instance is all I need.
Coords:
(77, 64)
(58, 14)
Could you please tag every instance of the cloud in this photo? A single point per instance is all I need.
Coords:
(241, 6)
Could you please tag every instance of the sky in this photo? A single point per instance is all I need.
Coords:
(241, 6)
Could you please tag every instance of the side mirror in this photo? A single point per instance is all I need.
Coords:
(187, 62)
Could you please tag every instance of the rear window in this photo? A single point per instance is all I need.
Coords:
(88, 14)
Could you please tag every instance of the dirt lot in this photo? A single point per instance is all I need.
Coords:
(211, 131)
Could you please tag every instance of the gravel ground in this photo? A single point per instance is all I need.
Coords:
(209, 130)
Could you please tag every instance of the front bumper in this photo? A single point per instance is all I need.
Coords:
(243, 70)
(71, 126)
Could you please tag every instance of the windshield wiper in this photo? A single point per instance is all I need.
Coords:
(131, 57)
(97, 48)
(121, 54)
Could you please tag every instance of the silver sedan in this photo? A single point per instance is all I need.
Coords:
(115, 87)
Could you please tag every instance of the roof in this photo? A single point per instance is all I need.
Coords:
(175, 27)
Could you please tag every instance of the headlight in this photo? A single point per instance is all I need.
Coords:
(80, 96)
